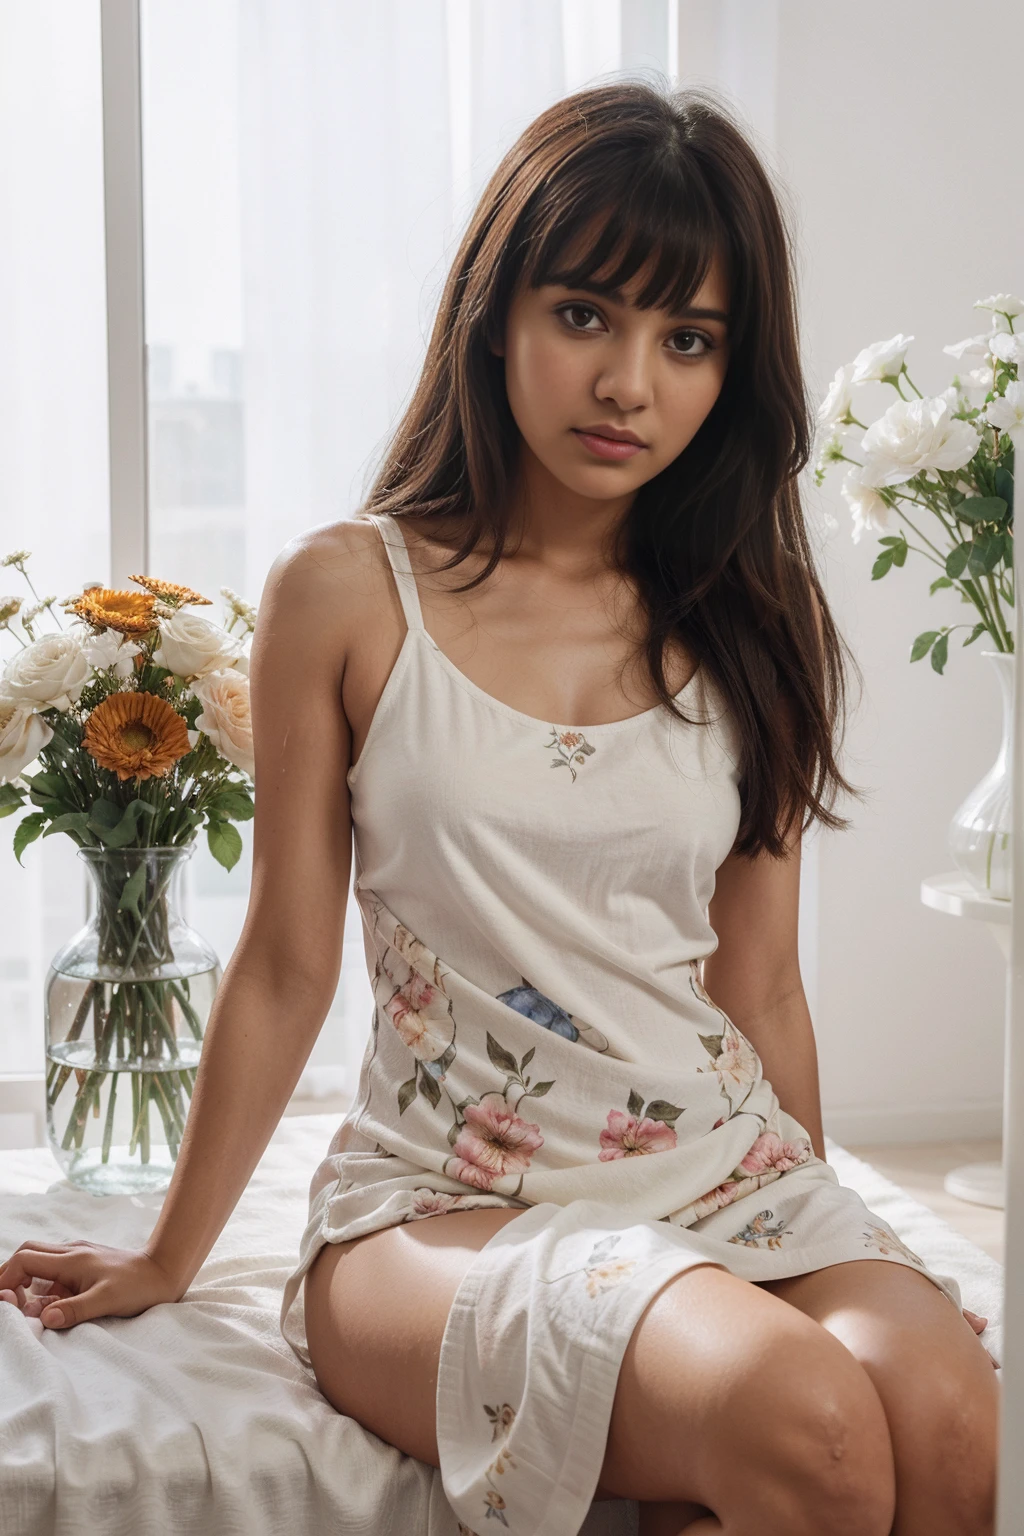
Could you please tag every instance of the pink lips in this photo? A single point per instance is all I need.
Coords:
(607, 447)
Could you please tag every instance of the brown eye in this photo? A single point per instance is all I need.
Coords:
(691, 336)
(575, 311)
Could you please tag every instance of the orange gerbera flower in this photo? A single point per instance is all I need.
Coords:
(136, 735)
(130, 613)
(170, 590)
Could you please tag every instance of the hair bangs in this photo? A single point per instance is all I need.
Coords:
(594, 239)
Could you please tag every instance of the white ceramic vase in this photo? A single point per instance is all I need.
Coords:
(979, 833)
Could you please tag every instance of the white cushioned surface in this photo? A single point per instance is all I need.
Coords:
(196, 1419)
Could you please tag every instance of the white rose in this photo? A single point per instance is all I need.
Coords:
(882, 360)
(836, 404)
(912, 436)
(23, 735)
(1002, 304)
(870, 513)
(225, 717)
(48, 674)
(974, 346)
(109, 649)
(191, 647)
(1009, 348)
(1007, 411)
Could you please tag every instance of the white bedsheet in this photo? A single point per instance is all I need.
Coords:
(196, 1419)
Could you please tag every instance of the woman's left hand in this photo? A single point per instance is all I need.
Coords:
(979, 1324)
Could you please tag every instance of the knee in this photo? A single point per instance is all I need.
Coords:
(948, 1457)
(828, 1462)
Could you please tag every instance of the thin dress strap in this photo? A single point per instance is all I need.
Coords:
(398, 556)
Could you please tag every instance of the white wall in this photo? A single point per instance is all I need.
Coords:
(898, 145)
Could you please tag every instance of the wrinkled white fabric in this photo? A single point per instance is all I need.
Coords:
(196, 1418)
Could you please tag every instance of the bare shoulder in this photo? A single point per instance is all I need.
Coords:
(331, 579)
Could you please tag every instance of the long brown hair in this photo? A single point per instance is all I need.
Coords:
(716, 543)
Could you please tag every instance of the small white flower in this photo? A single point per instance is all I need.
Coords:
(192, 647)
(17, 557)
(109, 649)
(1001, 303)
(48, 674)
(225, 718)
(23, 735)
(1007, 411)
(9, 606)
(974, 346)
(913, 436)
(882, 360)
(1009, 348)
(870, 513)
(835, 407)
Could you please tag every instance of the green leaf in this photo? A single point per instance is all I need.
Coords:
(712, 1044)
(923, 644)
(500, 1058)
(11, 799)
(27, 830)
(899, 554)
(234, 802)
(538, 1090)
(103, 815)
(225, 843)
(940, 651)
(635, 1104)
(133, 889)
(882, 565)
(661, 1109)
(48, 785)
(123, 831)
(406, 1094)
(1004, 485)
(71, 821)
(527, 1058)
(957, 559)
(986, 553)
(940, 581)
(982, 509)
(979, 629)
(891, 538)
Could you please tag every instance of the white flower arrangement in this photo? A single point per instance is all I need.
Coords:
(946, 454)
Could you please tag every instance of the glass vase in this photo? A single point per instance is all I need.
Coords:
(127, 1000)
(979, 836)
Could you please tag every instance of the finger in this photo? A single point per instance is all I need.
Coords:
(34, 1247)
(29, 1264)
(70, 1310)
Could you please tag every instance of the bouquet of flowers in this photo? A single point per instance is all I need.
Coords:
(134, 710)
(946, 456)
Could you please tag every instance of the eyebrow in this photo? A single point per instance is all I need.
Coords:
(691, 312)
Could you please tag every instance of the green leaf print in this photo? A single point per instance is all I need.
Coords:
(538, 1090)
(712, 1044)
(635, 1104)
(406, 1094)
(429, 1088)
(528, 1057)
(661, 1109)
(500, 1057)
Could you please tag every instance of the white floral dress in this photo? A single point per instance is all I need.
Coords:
(535, 901)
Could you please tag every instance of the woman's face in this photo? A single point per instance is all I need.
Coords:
(579, 365)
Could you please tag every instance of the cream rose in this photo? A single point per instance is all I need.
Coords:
(193, 647)
(882, 360)
(225, 718)
(912, 436)
(23, 735)
(48, 674)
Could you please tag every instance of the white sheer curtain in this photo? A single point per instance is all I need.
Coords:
(53, 416)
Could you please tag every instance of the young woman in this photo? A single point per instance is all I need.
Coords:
(572, 679)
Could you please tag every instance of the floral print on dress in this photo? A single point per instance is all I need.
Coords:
(639, 1130)
(886, 1241)
(431, 1202)
(735, 1061)
(603, 1271)
(534, 1005)
(572, 747)
(766, 1161)
(762, 1233)
(502, 1420)
(492, 1141)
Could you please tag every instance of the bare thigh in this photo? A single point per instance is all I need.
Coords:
(715, 1364)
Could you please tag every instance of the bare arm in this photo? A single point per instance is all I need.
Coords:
(754, 975)
(279, 984)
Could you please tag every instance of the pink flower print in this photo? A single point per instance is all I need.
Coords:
(770, 1151)
(715, 1199)
(604, 1277)
(628, 1136)
(572, 748)
(569, 738)
(492, 1142)
(420, 1013)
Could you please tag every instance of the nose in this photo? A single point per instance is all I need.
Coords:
(626, 375)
